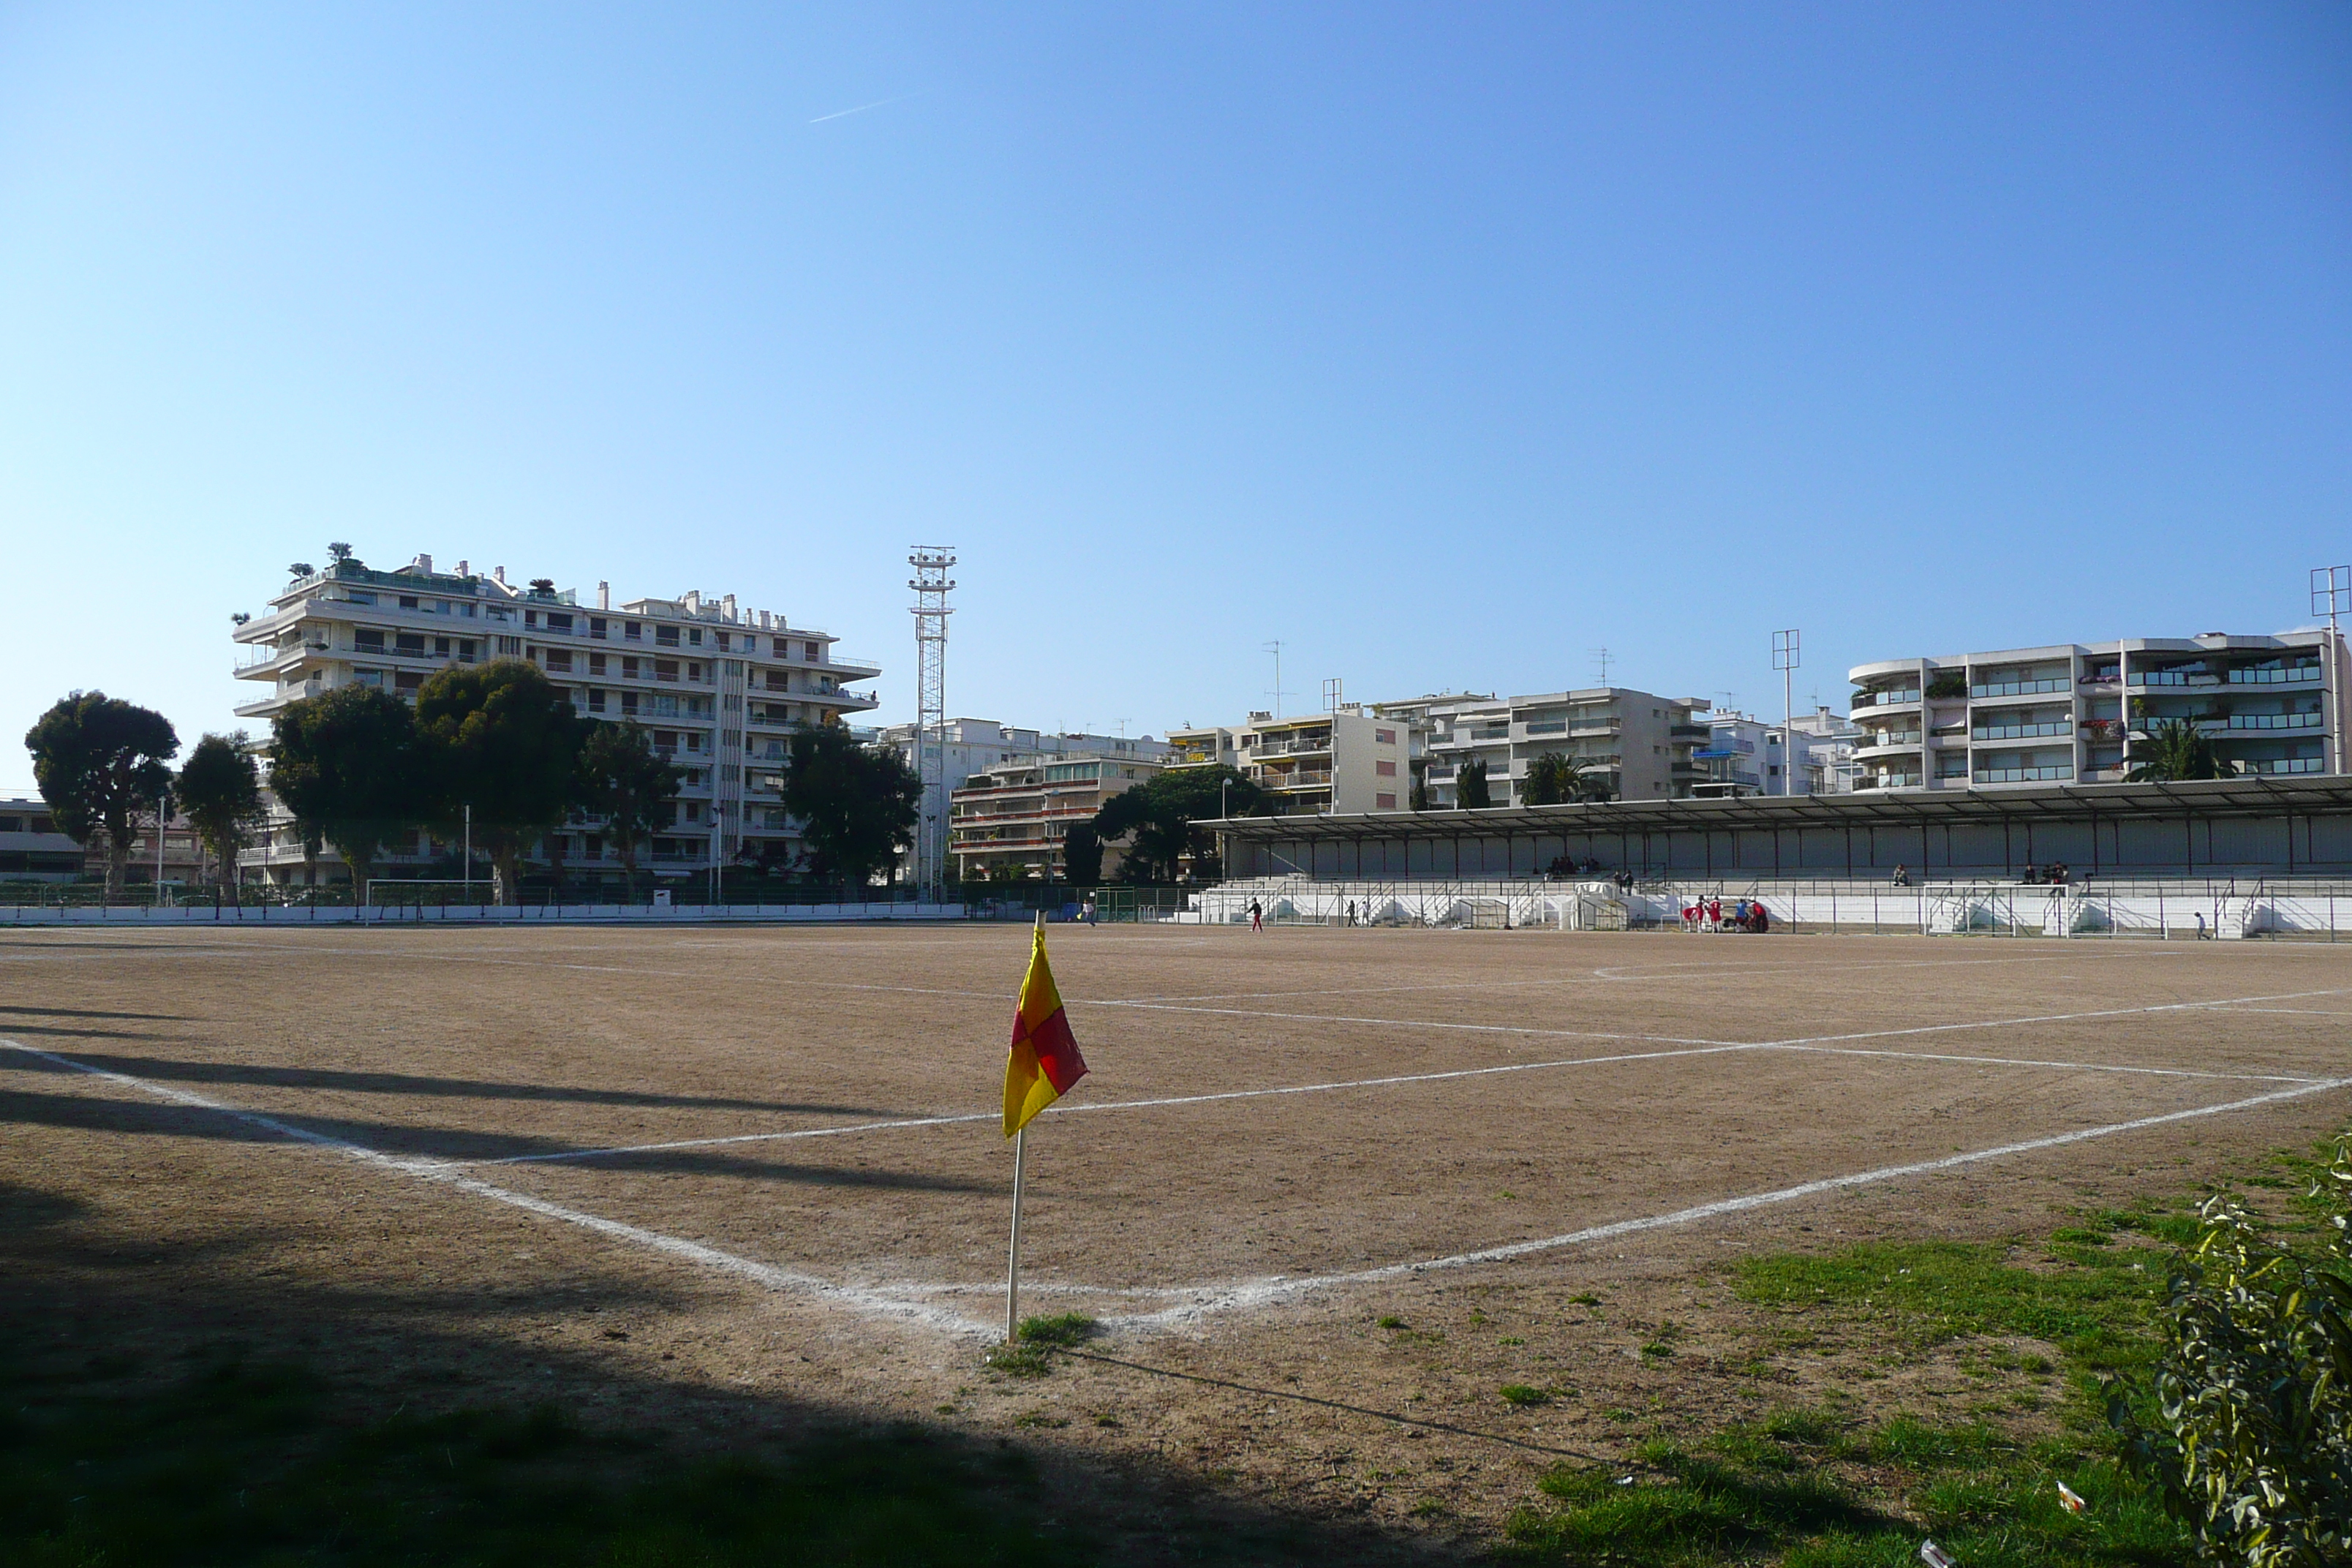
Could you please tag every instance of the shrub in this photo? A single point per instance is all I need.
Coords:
(2244, 1427)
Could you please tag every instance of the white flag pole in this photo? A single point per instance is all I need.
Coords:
(1013, 1268)
(1013, 1258)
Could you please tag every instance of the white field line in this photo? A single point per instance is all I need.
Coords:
(1264, 1292)
(2057, 1017)
(774, 1279)
(1070, 1108)
(1206, 1299)
(1079, 1108)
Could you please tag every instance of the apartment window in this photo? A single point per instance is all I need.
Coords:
(369, 678)
(595, 664)
(631, 630)
(407, 680)
(597, 627)
(559, 659)
(512, 646)
(628, 667)
(1383, 803)
(693, 672)
(368, 641)
(530, 619)
(721, 639)
(556, 623)
(779, 681)
(408, 601)
(734, 666)
(665, 635)
(1385, 737)
(595, 699)
(360, 596)
(694, 740)
(410, 643)
(1386, 770)
(694, 636)
(466, 649)
(816, 652)
(595, 847)
(665, 738)
(665, 669)
(441, 648)
(691, 811)
(628, 704)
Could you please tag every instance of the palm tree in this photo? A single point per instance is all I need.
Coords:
(2178, 750)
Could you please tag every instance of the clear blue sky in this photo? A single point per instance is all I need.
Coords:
(1443, 343)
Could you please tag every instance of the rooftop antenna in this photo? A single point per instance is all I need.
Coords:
(1278, 693)
(1601, 657)
(932, 584)
(1331, 695)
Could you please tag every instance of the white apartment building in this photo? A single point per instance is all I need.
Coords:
(31, 848)
(1012, 816)
(1637, 745)
(720, 687)
(1343, 761)
(1745, 755)
(975, 745)
(2075, 711)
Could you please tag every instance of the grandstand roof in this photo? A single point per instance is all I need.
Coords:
(2251, 796)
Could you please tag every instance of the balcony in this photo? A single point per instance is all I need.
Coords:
(2022, 732)
(2292, 675)
(1893, 699)
(1882, 742)
(2173, 677)
(1301, 778)
(1299, 748)
(2248, 721)
(2043, 774)
(1548, 727)
(2286, 765)
(2020, 688)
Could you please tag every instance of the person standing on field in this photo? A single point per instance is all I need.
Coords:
(1257, 916)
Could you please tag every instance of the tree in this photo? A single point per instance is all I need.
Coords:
(632, 788)
(1418, 799)
(2178, 750)
(1082, 855)
(1160, 815)
(857, 805)
(100, 762)
(345, 763)
(1470, 788)
(220, 789)
(502, 739)
(1552, 781)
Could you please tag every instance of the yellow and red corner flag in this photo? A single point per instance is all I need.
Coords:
(1044, 1060)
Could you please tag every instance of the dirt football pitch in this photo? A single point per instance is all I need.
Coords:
(757, 1173)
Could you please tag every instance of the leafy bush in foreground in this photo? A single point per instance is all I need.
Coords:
(2246, 1428)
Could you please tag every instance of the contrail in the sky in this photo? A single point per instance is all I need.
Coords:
(862, 108)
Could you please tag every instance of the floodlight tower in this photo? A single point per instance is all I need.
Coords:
(1785, 660)
(932, 584)
(2331, 595)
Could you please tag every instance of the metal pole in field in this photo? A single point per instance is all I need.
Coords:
(469, 851)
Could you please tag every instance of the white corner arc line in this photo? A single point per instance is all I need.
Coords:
(774, 1279)
(1269, 1290)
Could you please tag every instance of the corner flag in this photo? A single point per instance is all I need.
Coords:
(1044, 1060)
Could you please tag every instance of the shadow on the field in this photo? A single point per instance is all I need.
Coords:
(172, 1070)
(14, 1027)
(95, 1013)
(94, 1113)
(172, 1401)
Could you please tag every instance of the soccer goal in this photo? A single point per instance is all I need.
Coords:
(386, 893)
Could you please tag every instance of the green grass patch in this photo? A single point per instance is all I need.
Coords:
(1065, 1328)
(1523, 1395)
(1806, 1491)
(2093, 1304)
(261, 1464)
